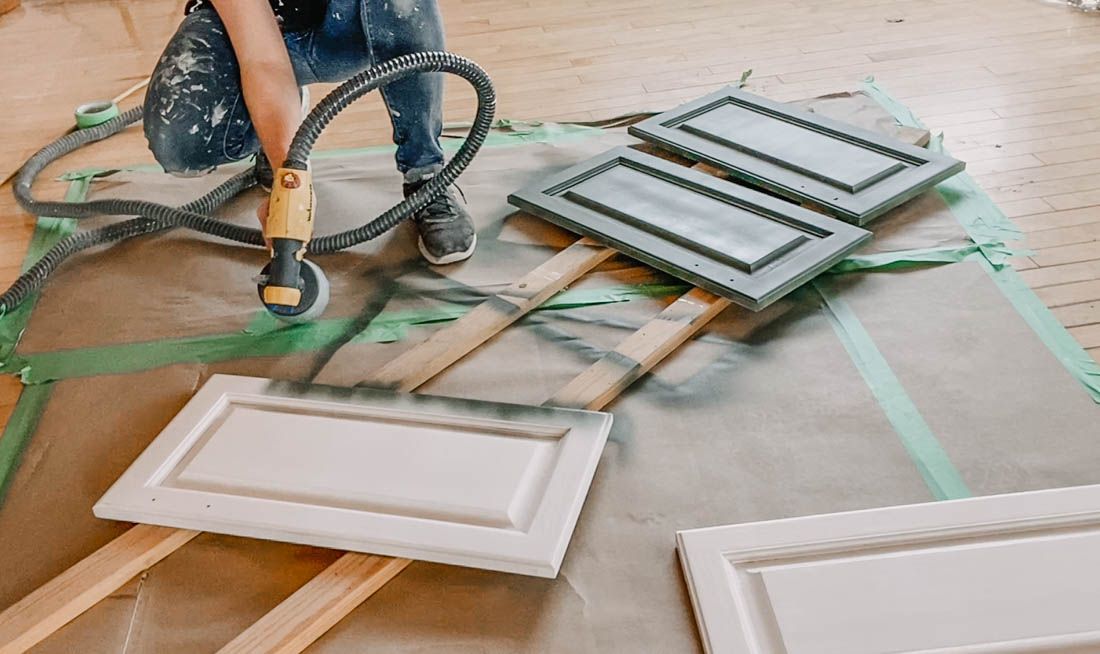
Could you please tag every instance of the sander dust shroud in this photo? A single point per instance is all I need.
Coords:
(295, 272)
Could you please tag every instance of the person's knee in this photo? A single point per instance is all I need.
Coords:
(179, 147)
(185, 101)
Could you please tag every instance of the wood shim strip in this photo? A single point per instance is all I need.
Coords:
(132, 90)
(489, 318)
(77, 589)
(642, 350)
(313, 609)
(105, 571)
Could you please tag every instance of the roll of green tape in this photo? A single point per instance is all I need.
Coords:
(91, 114)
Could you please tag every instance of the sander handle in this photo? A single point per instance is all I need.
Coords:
(289, 229)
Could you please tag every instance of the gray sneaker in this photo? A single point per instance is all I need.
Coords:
(446, 231)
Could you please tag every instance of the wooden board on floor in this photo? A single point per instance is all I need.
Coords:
(80, 587)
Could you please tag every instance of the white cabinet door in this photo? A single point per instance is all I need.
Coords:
(1008, 573)
(479, 484)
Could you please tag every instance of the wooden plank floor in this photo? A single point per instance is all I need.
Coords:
(1015, 85)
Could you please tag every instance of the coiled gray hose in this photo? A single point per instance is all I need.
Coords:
(155, 217)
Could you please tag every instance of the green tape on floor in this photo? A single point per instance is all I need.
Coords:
(935, 467)
(909, 258)
(17, 433)
(1075, 359)
(976, 212)
(990, 228)
(265, 336)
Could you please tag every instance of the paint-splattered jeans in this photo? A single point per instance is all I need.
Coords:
(195, 115)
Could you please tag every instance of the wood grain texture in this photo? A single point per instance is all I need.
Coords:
(80, 587)
(8, 5)
(642, 350)
(450, 344)
(314, 608)
(1088, 336)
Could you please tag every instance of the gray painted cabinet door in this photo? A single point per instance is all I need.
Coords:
(849, 172)
(731, 240)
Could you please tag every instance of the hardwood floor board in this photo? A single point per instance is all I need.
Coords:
(1067, 155)
(1088, 336)
(1003, 164)
(1076, 253)
(1034, 146)
(1004, 92)
(1036, 221)
(1029, 133)
(1065, 236)
(1075, 200)
(1067, 274)
(1066, 294)
(1040, 173)
(1077, 315)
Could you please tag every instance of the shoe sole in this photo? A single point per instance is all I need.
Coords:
(454, 257)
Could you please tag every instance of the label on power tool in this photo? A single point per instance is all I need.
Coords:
(290, 212)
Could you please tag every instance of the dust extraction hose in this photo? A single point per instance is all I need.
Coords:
(153, 217)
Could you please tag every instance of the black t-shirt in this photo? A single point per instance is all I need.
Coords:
(293, 15)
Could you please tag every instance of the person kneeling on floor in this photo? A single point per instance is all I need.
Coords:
(232, 84)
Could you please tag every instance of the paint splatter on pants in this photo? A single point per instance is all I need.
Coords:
(195, 115)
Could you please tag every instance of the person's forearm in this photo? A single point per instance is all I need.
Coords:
(267, 77)
(275, 107)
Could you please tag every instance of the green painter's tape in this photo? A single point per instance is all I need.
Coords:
(1046, 325)
(920, 257)
(46, 367)
(47, 232)
(935, 467)
(990, 228)
(976, 212)
(265, 336)
(393, 325)
(17, 433)
(902, 259)
(95, 113)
